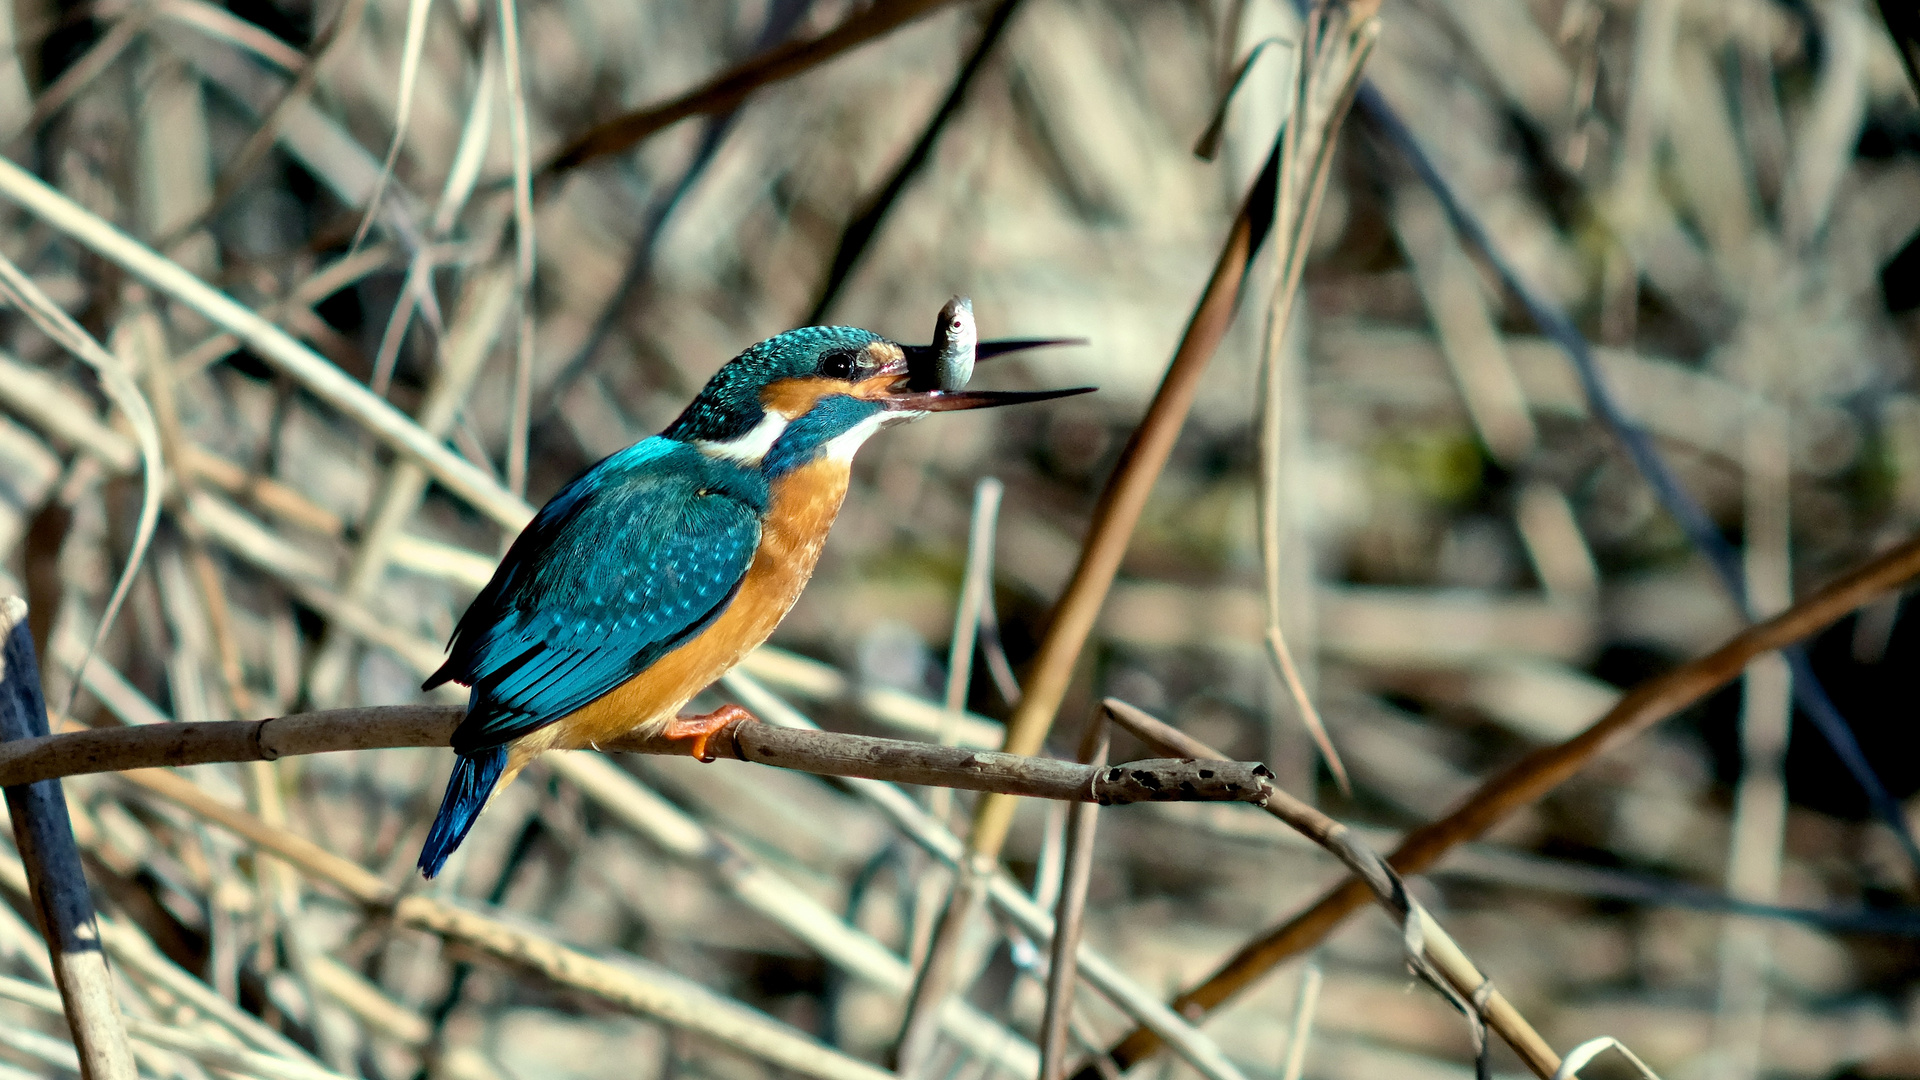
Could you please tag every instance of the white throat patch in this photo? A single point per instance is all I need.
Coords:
(752, 447)
(842, 447)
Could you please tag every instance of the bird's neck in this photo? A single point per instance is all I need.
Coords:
(779, 446)
(800, 512)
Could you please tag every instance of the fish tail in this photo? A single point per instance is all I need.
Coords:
(474, 775)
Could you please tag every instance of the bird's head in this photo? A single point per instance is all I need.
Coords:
(821, 391)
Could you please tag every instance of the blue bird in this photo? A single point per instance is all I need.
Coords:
(648, 576)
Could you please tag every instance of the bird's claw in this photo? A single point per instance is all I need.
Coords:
(698, 730)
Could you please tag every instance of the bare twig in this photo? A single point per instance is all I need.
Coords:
(1435, 945)
(645, 991)
(1063, 968)
(731, 87)
(860, 231)
(824, 752)
(1533, 776)
(239, 167)
(1009, 898)
(44, 837)
(1123, 499)
(273, 344)
(36, 305)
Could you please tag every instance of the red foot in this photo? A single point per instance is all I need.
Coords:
(698, 729)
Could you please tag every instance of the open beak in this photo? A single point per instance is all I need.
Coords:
(923, 360)
(916, 386)
(906, 399)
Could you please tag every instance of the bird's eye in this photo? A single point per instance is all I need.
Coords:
(837, 365)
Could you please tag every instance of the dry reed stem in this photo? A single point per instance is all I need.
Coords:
(519, 143)
(251, 153)
(1306, 1003)
(1336, 42)
(210, 1052)
(1007, 896)
(682, 1006)
(733, 868)
(1533, 776)
(43, 835)
(1069, 913)
(976, 593)
(1118, 511)
(731, 87)
(53, 321)
(1439, 948)
(78, 76)
(825, 753)
(273, 344)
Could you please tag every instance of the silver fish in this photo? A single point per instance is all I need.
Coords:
(955, 341)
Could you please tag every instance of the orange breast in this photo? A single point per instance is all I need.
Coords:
(804, 504)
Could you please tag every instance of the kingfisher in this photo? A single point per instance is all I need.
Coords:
(647, 577)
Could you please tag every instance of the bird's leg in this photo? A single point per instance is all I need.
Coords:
(698, 729)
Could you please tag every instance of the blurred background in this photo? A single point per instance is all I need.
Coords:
(1723, 195)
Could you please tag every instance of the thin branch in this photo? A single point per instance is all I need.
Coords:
(254, 150)
(274, 345)
(1436, 946)
(731, 87)
(1532, 777)
(1063, 968)
(1008, 897)
(643, 990)
(1125, 497)
(43, 834)
(826, 753)
(1686, 511)
(859, 232)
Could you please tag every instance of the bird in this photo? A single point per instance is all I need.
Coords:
(651, 574)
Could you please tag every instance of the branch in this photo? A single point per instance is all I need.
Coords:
(731, 87)
(1532, 777)
(645, 991)
(827, 753)
(1124, 498)
(44, 836)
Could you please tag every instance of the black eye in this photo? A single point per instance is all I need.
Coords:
(837, 365)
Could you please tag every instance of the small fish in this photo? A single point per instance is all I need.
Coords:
(955, 341)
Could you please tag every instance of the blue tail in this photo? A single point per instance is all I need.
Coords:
(473, 778)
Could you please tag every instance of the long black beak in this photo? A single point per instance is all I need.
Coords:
(955, 400)
(919, 357)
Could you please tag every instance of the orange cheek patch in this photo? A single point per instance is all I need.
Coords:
(886, 352)
(873, 389)
(792, 398)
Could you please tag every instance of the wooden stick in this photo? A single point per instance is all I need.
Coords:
(1123, 500)
(731, 87)
(1441, 950)
(1532, 777)
(44, 837)
(826, 753)
(274, 345)
(1063, 953)
(650, 993)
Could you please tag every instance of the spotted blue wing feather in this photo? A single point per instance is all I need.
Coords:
(627, 562)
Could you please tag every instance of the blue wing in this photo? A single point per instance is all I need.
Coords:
(624, 564)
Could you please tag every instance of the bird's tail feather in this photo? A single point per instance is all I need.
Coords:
(474, 775)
